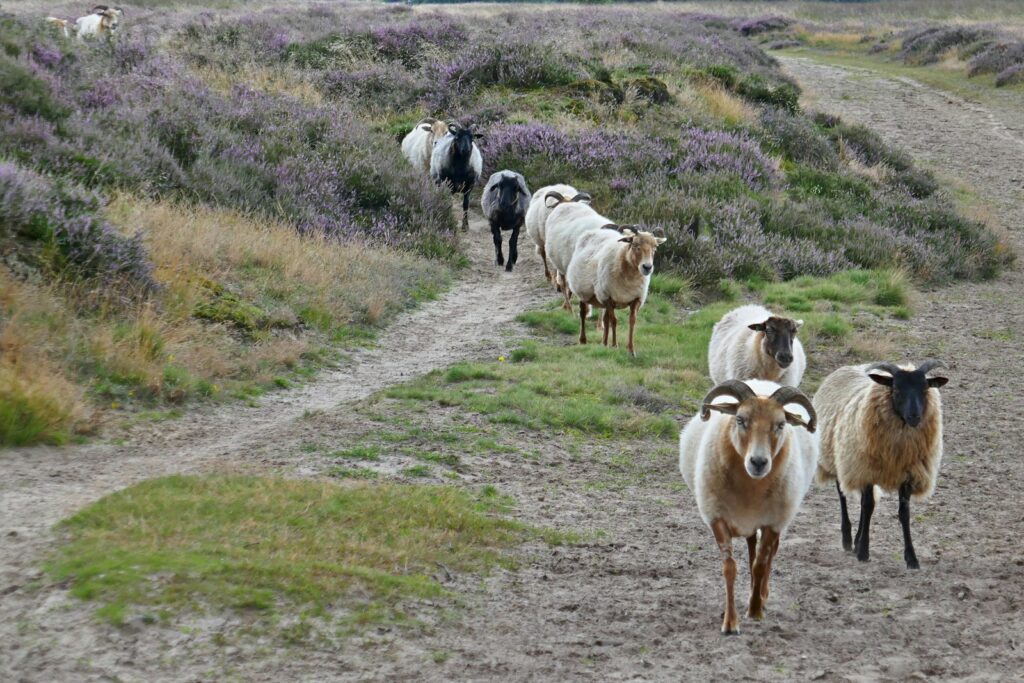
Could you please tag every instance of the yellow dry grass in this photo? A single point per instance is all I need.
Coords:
(723, 105)
(280, 80)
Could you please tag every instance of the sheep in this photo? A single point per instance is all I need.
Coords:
(418, 145)
(102, 21)
(504, 203)
(567, 221)
(881, 427)
(63, 25)
(612, 270)
(750, 341)
(749, 469)
(537, 218)
(456, 162)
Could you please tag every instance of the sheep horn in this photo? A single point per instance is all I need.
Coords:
(891, 368)
(930, 365)
(554, 195)
(582, 197)
(732, 387)
(786, 395)
(659, 232)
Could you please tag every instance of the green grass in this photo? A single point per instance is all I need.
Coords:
(556, 384)
(261, 544)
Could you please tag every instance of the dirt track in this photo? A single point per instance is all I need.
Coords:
(642, 602)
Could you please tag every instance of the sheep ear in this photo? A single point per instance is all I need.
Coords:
(426, 127)
(725, 408)
(797, 421)
(884, 380)
(756, 327)
(936, 382)
(452, 129)
(799, 323)
(661, 240)
(478, 136)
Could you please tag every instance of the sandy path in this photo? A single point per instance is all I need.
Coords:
(39, 486)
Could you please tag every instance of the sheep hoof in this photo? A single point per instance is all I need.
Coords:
(755, 614)
(912, 563)
(727, 631)
(508, 268)
(500, 260)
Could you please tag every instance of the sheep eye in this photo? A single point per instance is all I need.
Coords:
(779, 426)
(741, 422)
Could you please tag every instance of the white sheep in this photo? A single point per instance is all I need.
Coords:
(456, 162)
(567, 221)
(612, 269)
(752, 342)
(418, 145)
(537, 217)
(881, 426)
(63, 25)
(749, 466)
(102, 21)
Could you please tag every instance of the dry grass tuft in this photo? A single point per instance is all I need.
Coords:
(280, 80)
(723, 105)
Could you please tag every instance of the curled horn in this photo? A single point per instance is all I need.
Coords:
(891, 368)
(557, 196)
(930, 365)
(786, 395)
(659, 232)
(733, 387)
(582, 197)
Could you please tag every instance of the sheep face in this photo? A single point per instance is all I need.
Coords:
(758, 431)
(642, 246)
(908, 390)
(462, 146)
(779, 334)
(506, 194)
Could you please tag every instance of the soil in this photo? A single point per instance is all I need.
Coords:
(641, 598)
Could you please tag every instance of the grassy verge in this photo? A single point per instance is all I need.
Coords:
(243, 306)
(552, 383)
(267, 546)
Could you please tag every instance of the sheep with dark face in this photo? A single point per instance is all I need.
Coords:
(504, 203)
(881, 425)
(456, 162)
(750, 342)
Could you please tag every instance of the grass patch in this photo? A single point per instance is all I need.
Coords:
(358, 453)
(557, 384)
(260, 544)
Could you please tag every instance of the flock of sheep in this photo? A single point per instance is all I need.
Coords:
(604, 264)
(101, 22)
(753, 449)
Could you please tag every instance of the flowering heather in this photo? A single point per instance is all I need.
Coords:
(709, 152)
(63, 228)
(998, 58)
(797, 139)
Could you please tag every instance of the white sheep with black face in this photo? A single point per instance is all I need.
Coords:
(752, 342)
(749, 457)
(881, 426)
(504, 203)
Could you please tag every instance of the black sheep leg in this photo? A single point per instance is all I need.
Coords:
(496, 234)
(513, 249)
(844, 520)
(867, 507)
(909, 556)
(465, 210)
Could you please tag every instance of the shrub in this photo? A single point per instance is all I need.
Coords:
(927, 45)
(796, 139)
(783, 95)
(1011, 75)
(718, 152)
(757, 25)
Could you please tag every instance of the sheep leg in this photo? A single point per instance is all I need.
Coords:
(496, 235)
(634, 306)
(909, 556)
(867, 507)
(513, 249)
(608, 311)
(544, 260)
(614, 320)
(567, 293)
(465, 210)
(583, 322)
(844, 520)
(730, 620)
(751, 552)
(760, 570)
